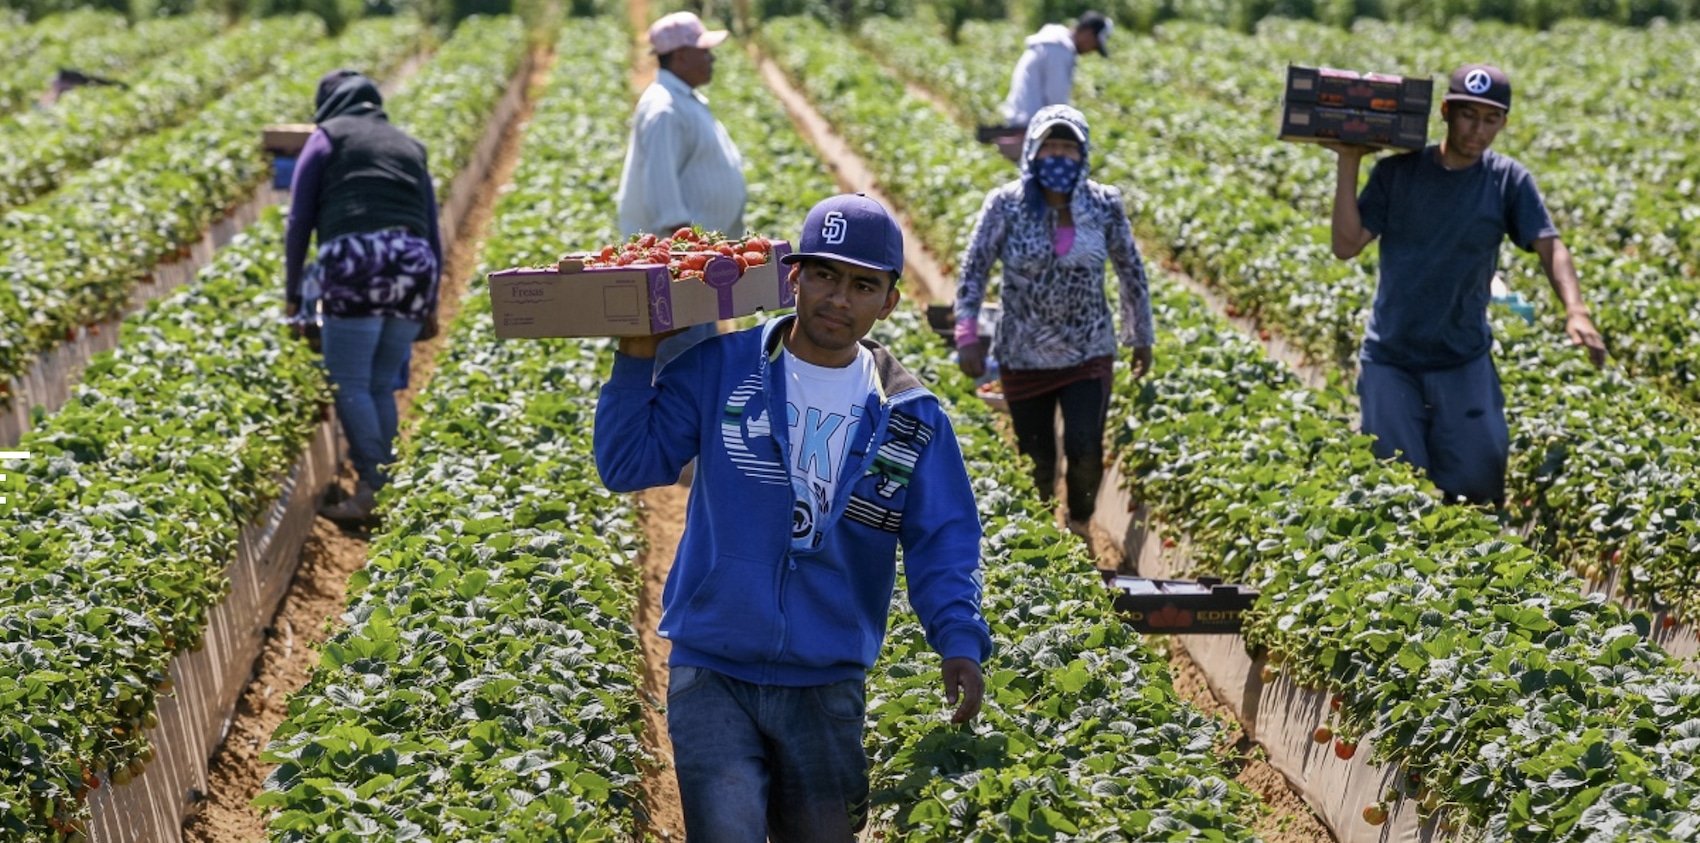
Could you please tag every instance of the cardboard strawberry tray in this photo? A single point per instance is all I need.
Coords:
(655, 288)
(1206, 606)
(1383, 92)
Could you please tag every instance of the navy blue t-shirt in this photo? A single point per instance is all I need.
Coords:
(1440, 232)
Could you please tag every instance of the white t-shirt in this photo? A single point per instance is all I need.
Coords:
(823, 407)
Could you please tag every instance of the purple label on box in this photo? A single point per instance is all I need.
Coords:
(787, 297)
(721, 274)
(661, 300)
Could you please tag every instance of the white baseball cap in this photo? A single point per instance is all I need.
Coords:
(682, 29)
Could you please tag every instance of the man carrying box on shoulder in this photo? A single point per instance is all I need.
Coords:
(1427, 387)
(818, 455)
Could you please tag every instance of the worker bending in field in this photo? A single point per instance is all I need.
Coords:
(1044, 75)
(1427, 389)
(818, 456)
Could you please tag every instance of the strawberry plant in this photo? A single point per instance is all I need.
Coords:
(1082, 734)
(97, 42)
(44, 147)
(145, 479)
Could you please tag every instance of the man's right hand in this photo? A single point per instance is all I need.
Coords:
(972, 359)
(644, 347)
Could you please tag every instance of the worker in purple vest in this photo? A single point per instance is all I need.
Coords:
(362, 187)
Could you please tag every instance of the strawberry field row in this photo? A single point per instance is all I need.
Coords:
(136, 492)
(43, 148)
(871, 110)
(485, 686)
(1605, 468)
(97, 42)
(73, 257)
(1457, 652)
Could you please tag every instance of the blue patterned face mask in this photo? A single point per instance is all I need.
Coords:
(1057, 174)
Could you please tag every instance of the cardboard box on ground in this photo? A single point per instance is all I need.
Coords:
(572, 300)
(1374, 109)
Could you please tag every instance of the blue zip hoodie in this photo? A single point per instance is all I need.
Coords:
(740, 600)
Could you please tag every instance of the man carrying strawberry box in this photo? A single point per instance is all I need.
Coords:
(818, 455)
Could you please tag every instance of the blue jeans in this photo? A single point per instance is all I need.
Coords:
(1448, 422)
(363, 357)
(767, 762)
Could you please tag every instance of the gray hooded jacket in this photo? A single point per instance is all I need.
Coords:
(1055, 312)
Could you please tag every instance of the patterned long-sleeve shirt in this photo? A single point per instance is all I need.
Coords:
(1055, 311)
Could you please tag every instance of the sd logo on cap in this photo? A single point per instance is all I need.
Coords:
(854, 229)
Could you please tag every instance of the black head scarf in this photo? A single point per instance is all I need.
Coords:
(345, 92)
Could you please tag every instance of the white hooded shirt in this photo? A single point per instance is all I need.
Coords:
(1044, 75)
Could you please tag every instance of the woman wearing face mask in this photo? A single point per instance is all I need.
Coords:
(1053, 229)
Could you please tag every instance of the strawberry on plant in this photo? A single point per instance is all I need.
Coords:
(1344, 750)
(1375, 813)
(1323, 734)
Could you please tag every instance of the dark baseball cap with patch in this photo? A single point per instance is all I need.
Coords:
(852, 228)
(1481, 83)
(1098, 25)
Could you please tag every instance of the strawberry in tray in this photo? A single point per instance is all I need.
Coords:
(687, 253)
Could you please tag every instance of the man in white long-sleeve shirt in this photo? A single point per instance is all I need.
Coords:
(1045, 73)
(681, 167)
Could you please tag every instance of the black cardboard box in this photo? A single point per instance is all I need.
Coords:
(1206, 606)
(1309, 122)
(1367, 91)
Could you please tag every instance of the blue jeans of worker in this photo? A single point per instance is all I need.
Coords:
(363, 356)
(1448, 422)
(767, 762)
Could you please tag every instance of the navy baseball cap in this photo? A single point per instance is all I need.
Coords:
(852, 228)
(1481, 83)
